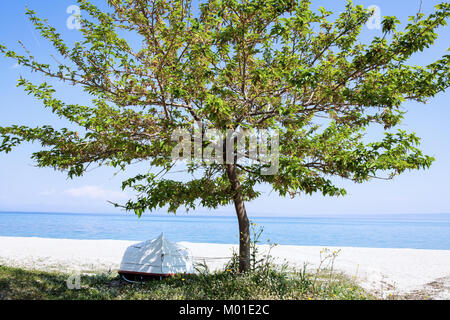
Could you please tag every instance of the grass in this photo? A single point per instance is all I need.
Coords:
(258, 284)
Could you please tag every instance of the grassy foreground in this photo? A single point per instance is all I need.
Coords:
(259, 284)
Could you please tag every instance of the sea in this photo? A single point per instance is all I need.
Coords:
(416, 231)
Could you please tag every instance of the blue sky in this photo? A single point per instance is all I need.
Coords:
(24, 187)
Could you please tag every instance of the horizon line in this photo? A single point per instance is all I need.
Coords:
(222, 214)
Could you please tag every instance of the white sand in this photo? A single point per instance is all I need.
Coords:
(382, 271)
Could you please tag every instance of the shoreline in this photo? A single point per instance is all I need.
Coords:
(230, 244)
(382, 271)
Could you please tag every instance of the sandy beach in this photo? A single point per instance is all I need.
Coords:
(412, 273)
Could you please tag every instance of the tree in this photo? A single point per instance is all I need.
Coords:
(228, 65)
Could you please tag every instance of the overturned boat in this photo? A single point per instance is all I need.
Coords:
(158, 257)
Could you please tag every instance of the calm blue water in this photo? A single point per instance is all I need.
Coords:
(426, 231)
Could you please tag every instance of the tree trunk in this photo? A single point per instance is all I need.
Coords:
(244, 225)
